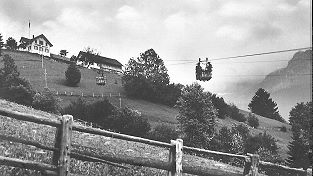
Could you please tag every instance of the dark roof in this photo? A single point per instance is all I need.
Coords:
(27, 40)
(98, 59)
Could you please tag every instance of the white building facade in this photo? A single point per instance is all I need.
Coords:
(99, 62)
(39, 45)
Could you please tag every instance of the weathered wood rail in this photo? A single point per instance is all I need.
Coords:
(63, 152)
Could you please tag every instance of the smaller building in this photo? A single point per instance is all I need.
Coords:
(94, 61)
(39, 44)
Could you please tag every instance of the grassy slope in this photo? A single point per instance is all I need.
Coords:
(154, 112)
(82, 142)
(30, 68)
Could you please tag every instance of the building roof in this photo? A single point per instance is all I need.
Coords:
(98, 59)
(27, 40)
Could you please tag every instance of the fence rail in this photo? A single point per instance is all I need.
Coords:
(63, 152)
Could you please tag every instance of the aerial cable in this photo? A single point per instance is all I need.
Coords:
(241, 56)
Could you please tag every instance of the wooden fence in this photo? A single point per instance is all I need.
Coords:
(63, 152)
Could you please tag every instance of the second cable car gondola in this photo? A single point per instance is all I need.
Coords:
(204, 74)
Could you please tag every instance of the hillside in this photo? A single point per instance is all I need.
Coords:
(83, 142)
(29, 64)
(30, 67)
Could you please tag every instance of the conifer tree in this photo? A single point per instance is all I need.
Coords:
(72, 75)
(301, 145)
(261, 104)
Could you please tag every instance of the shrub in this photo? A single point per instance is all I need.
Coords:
(129, 122)
(164, 133)
(235, 114)
(108, 117)
(78, 109)
(283, 129)
(72, 75)
(46, 102)
(263, 140)
(253, 121)
(100, 112)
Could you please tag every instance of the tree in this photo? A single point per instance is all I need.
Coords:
(90, 54)
(63, 52)
(146, 78)
(261, 104)
(72, 75)
(300, 148)
(150, 66)
(221, 106)
(12, 87)
(11, 44)
(196, 116)
(73, 58)
(1, 44)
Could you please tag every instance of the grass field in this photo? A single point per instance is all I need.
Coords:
(30, 68)
(83, 142)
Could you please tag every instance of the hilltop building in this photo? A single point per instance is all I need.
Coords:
(89, 60)
(39, 44)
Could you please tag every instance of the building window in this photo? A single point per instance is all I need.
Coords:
(36, 41)
(40, 49)
(40, 42)
(46, 44)
(29, 48)
(47, 51)
(36, 47)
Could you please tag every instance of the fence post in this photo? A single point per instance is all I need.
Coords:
(254, 164)
(63, 143)
(176, 158)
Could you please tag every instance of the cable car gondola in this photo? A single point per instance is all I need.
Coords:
(100, 80)
(204, 74)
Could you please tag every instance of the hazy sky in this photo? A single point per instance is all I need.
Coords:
(175, 29)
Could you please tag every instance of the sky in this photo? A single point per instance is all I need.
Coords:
(176, 29)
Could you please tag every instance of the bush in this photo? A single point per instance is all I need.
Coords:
(129, 122)
(164, 133)
(263, 140)
(46, 102)
(78, 109)
(283, 129)
(235, 114)
(72, 75)
(104, 114)
(253, 121)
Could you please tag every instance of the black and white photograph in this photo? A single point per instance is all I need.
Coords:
(156, 88)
